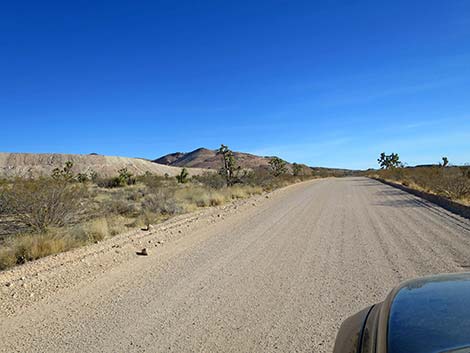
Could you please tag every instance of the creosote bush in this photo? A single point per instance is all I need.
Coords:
(43, 203)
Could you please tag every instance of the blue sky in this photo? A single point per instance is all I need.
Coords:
(327, 83)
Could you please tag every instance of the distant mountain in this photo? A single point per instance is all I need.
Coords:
(209, 159)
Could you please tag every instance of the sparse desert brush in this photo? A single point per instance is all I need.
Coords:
(211, 180)
(97, 229)
(154, 182)
(245, 191)
(217, 198)
(42, 203)
(193, 195)
(450, 182)
(7, 258)
(28, 247)
(118, 224)
(161, 201)
(117, 204)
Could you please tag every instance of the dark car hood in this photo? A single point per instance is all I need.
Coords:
(430, 315)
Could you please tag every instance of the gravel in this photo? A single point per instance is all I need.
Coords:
(279, 276)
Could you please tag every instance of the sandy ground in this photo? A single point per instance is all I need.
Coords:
(261, 275)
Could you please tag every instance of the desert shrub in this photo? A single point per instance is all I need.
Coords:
(119, 206)
(278, 166)
(82, 177)
(296, 169)
(124, 178)
(118, 224)
(108, 183)
(260, 177)
(97, 229)
(7, 258)
(211, 180)
(240, 192)
(42, 203)
(451, 182)
(152, 181)
(28, 247)
(193, 196)
(161, 201)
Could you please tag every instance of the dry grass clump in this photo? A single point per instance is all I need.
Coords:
(7, 258)
(97, 229)
(28, 247)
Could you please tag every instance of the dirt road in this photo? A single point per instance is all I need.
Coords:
(277, 275)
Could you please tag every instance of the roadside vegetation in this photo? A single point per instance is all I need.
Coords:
(443, 179)
(48, 215)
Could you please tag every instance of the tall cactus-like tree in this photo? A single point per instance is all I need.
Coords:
(445, 162)
(183, 176)
(229, 166)
(389, 161)
(65, 173)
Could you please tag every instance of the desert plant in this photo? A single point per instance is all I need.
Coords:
(97, 229)
(82, 177)
(183, 176)
(118, 204)
(296, 169)
(109, 183)
(278, 166)
(161, 201)
(211, 180)
(445, 162)
(39, 204)
(93, 175)
(65, 173)
(125, 177)
(228, 164)
(389, 161)
(28, 247)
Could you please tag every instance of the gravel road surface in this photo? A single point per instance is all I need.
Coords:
(275, 273)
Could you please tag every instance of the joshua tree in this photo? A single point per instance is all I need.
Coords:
(389, 161)
(229, 164)
(445, 162)
(183, 176)
(65, 173)
(125, 177)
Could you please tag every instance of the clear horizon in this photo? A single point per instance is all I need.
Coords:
(331, 84)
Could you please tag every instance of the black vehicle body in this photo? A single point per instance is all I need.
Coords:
(425, 315)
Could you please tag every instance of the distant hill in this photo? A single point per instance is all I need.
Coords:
(209, 159)
(40, 164)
